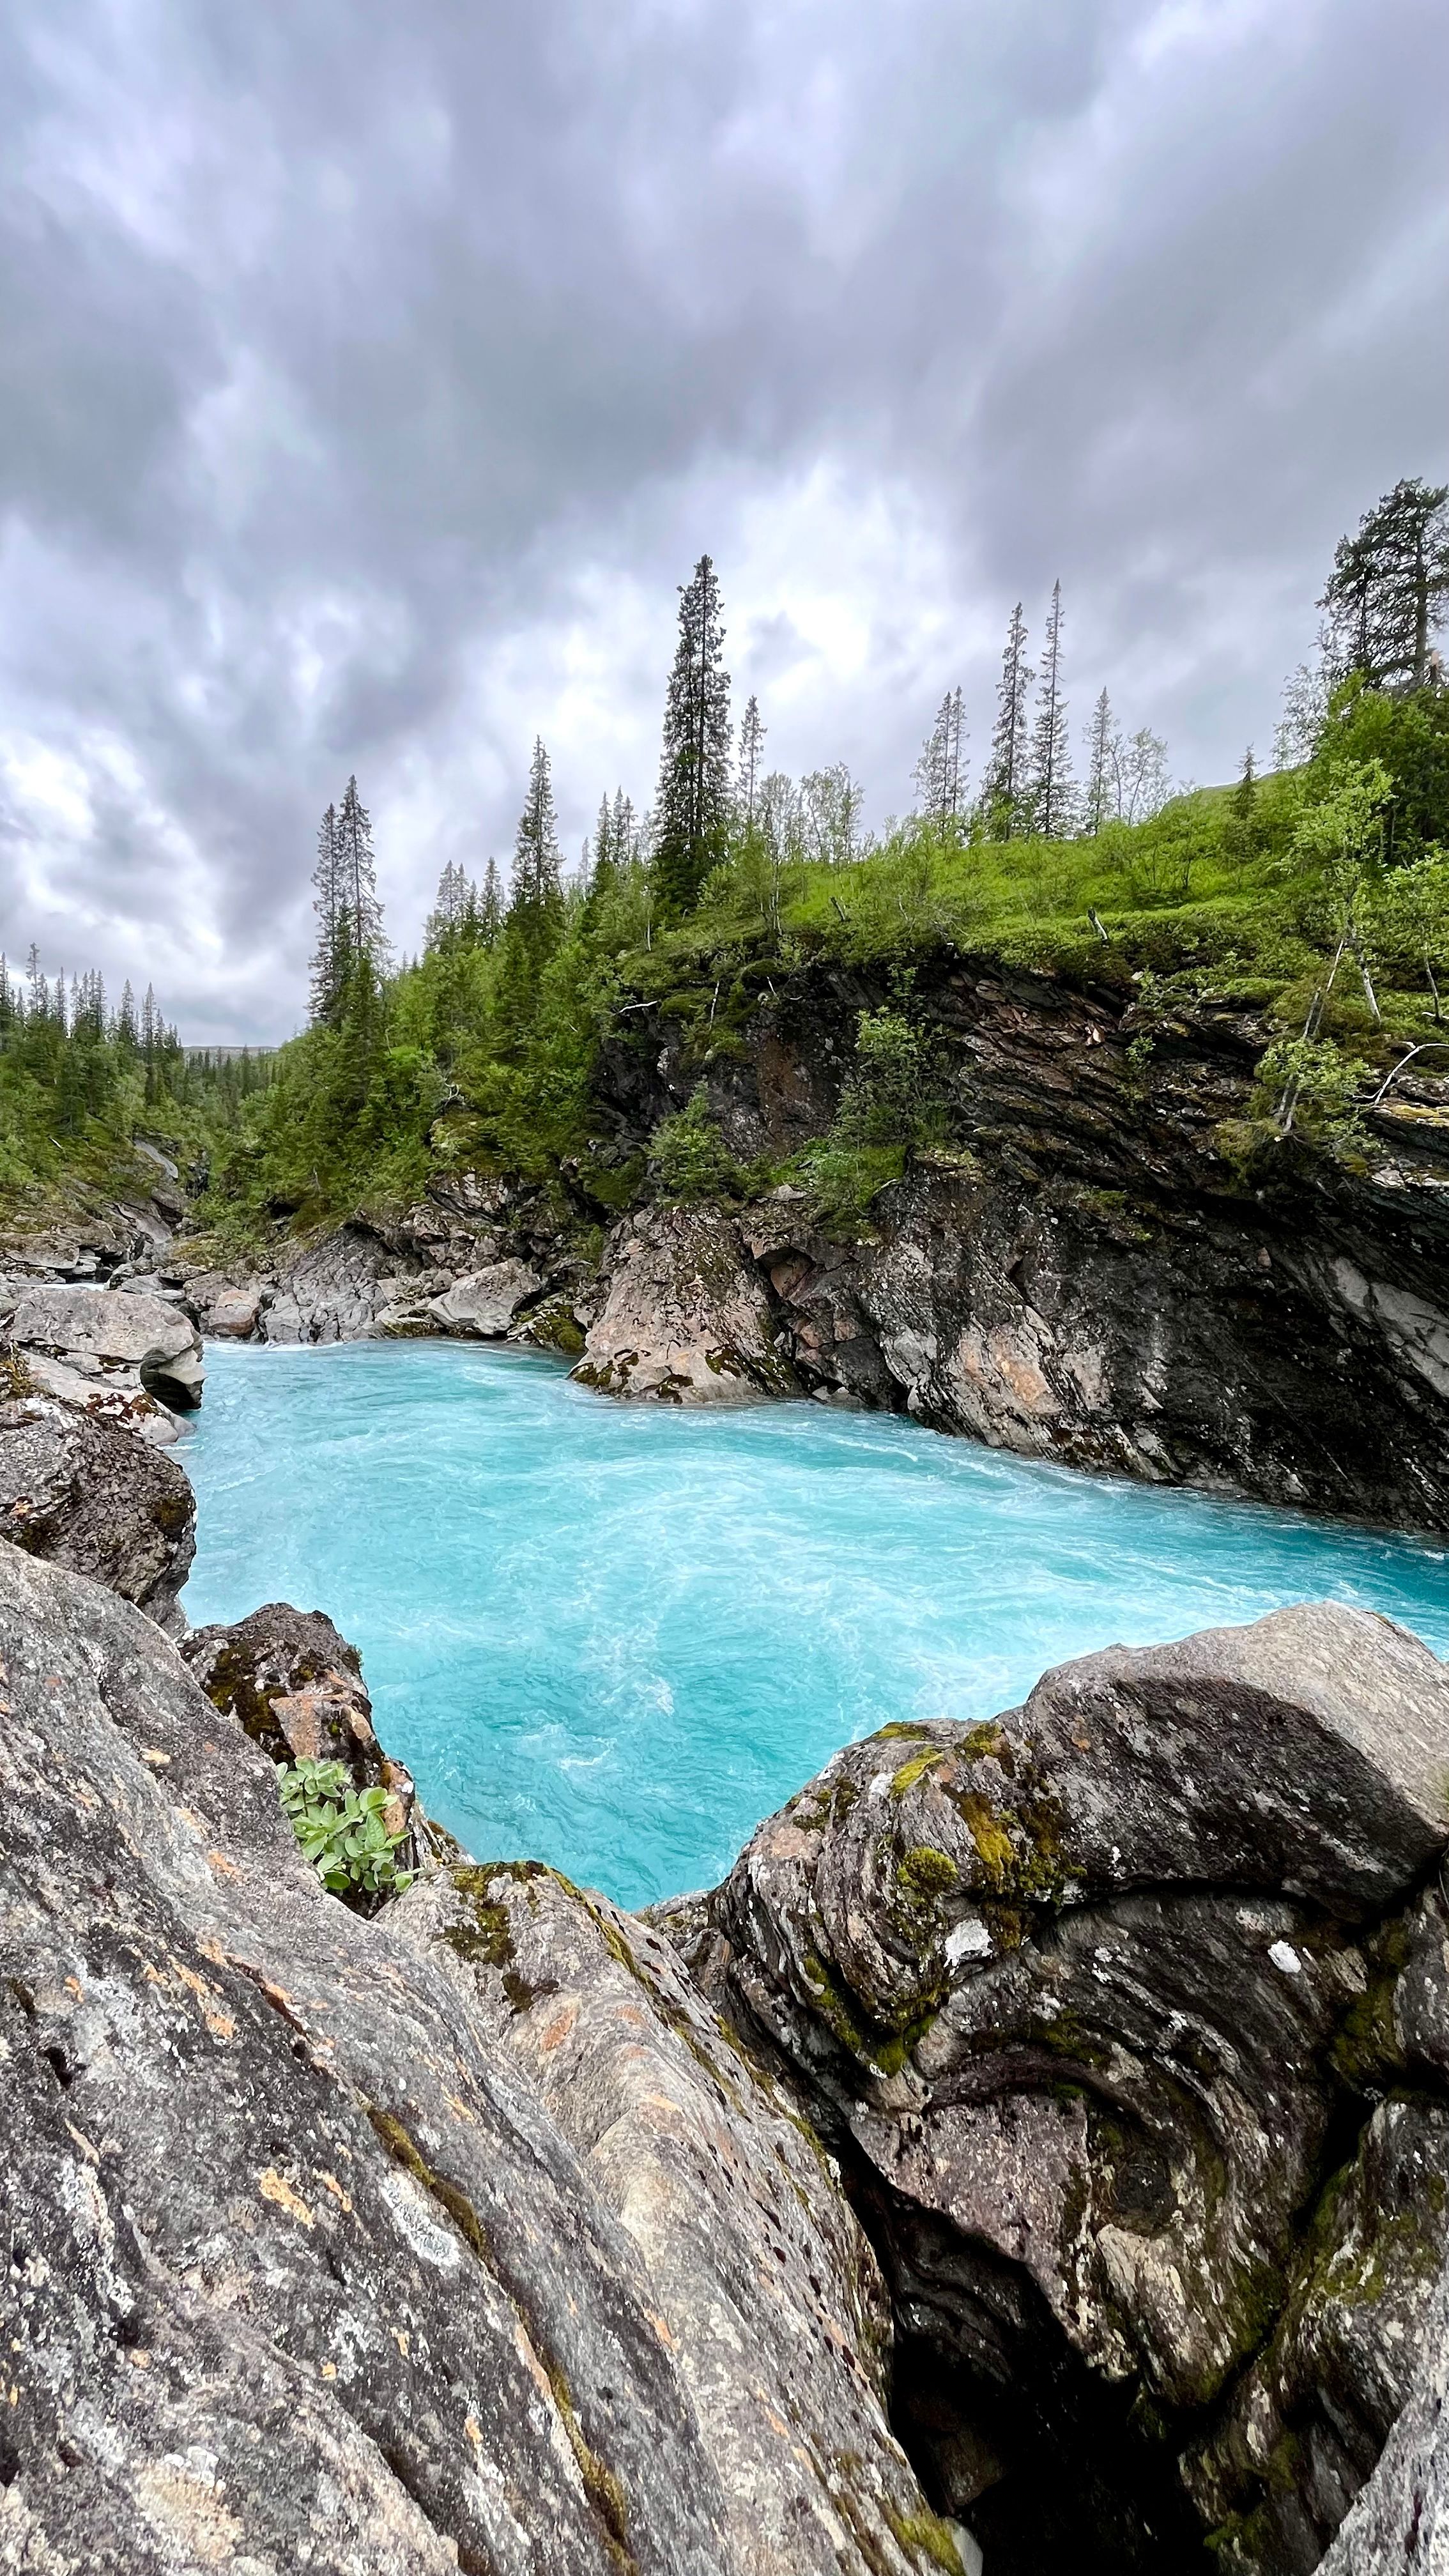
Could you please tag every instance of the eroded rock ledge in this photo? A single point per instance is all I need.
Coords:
(1086, 1274)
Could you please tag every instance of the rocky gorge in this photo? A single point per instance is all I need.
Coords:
(1034, 2152)
(1105, 1261)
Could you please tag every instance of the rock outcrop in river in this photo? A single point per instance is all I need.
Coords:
(1127, 2015)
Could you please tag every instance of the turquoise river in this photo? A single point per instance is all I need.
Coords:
(616, 1638)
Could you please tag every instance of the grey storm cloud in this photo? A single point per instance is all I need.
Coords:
(368, 379)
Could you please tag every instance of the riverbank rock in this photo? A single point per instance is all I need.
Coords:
(294, 1685)
(1102, 2004)
(330, 1292)
(482, 1305)
(94, 1495)
(686, 1319)
(766, 2282)
(302, 2270)
(108, 1341)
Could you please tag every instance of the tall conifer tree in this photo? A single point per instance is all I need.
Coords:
(1051, 789)
(358, 906)
(1100, 802)
(691, 815)
(537, 875)
(941, 770)
(751, 763)
(1386, 592)
(329, 957)
(1004, 787)
(490, 905)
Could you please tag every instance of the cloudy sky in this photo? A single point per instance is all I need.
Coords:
(370, 376)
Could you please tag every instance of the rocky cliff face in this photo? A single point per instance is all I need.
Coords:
(1126, 2016)
(1088, 1275)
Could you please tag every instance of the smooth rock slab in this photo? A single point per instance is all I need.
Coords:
(300, 2272)
(142, 1338)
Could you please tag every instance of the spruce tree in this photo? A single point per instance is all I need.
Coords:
(455, 899)
(1003, 791)
(490, 906)
(1051, 790)
(940, 776)
(359, 911)
(691, 815)
(602, 870)
(329, 957)
(1385, 595)
(537, 876)
(1100, 801)
(751, 762)
(627, 832)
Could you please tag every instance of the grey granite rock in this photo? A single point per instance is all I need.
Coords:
(302, 2267)
(482, 1304)
(118, 1339)
(766, 2283)
(93, 1494)
(686, 1319)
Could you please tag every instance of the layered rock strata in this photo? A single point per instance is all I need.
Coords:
(1088, 1272)
(1103, 1264)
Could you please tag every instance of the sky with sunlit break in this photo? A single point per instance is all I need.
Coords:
(370, 377)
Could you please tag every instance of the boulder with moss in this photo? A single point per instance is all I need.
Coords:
(1122, 2011)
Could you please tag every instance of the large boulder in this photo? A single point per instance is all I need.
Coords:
(686, 1319)
(303, 2271)
(93, 1495)
(293, 1683)
(482, 1305)
(112, 1339)
(1104, 2000)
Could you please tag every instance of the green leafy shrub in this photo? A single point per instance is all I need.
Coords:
(341, 1829)
(688, 1153)
(1319, 1084)
(843, 1179)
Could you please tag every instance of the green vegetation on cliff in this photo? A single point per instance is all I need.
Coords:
(1327, 881)
(1317, 896)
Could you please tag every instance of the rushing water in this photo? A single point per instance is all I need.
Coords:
(616, 1638)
